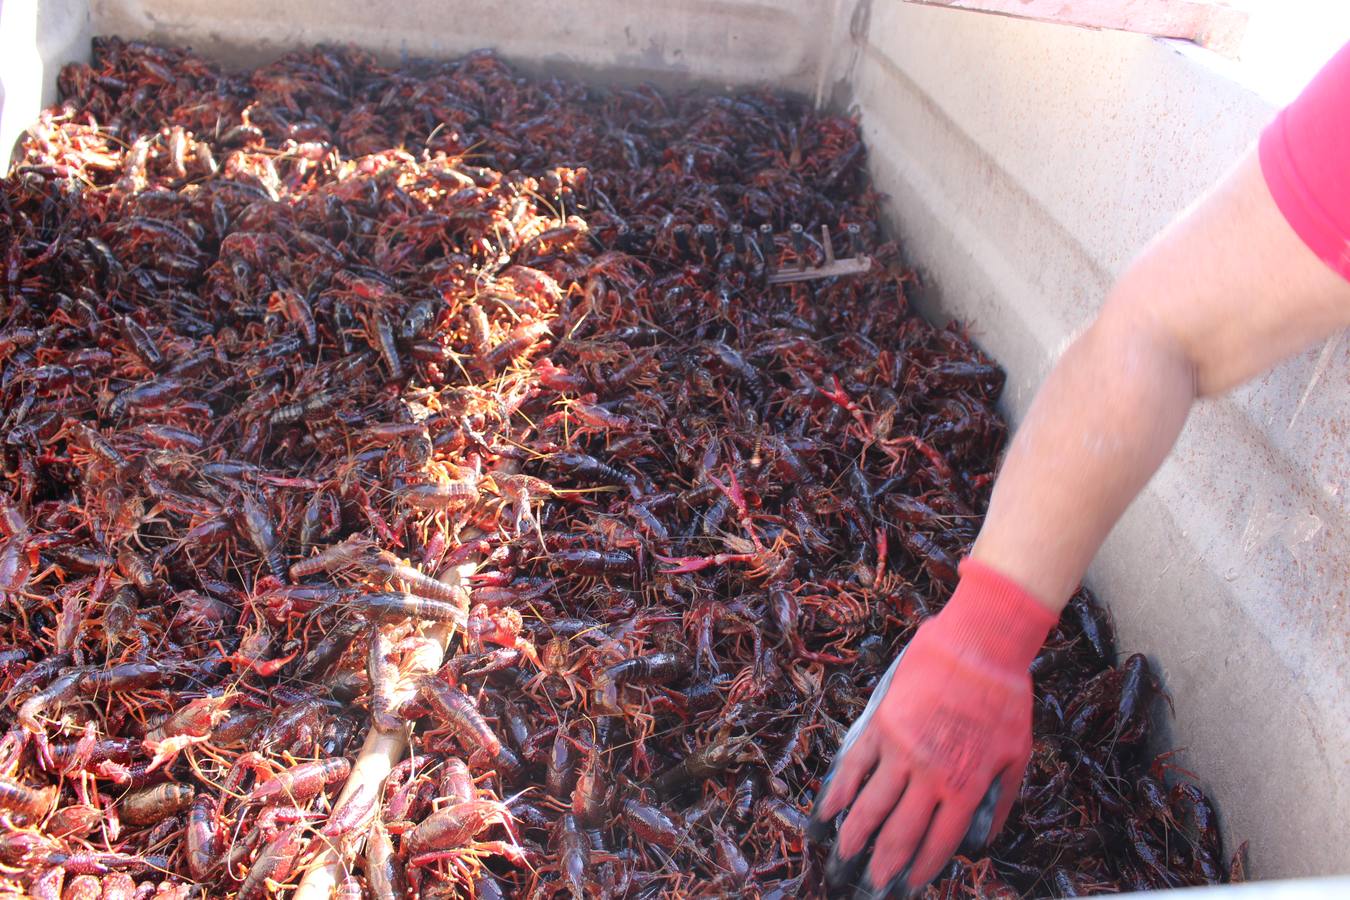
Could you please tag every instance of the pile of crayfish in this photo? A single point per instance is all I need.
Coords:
(343, 402)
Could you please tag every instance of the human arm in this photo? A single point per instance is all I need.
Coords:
(1226, 291)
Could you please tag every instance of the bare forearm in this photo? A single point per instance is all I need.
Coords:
(1227, 291)
(1101, 425)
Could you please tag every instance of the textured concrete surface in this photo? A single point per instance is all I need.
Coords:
(1292, 889)
(36, 39)
(707, 40)
(1026, 164)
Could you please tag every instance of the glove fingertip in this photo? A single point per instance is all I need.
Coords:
(841, 874)
(930, 861)
(896, 889)
(819, 824)
(819, 830)
(1012, 781)
(983, 820)
(842, 783)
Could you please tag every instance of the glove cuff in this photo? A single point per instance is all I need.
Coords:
(993, 617)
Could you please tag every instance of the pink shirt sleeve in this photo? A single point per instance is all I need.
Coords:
(1305, 157)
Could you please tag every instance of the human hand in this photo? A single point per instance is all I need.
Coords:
(934, 762)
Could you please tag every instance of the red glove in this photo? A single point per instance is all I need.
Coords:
(939, 755)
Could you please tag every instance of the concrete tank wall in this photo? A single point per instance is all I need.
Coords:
(36, 39)
(1025, 165)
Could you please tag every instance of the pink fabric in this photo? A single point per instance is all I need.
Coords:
(991, 617)
(1305, 157)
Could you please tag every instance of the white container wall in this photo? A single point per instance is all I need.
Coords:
(1025, 163)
